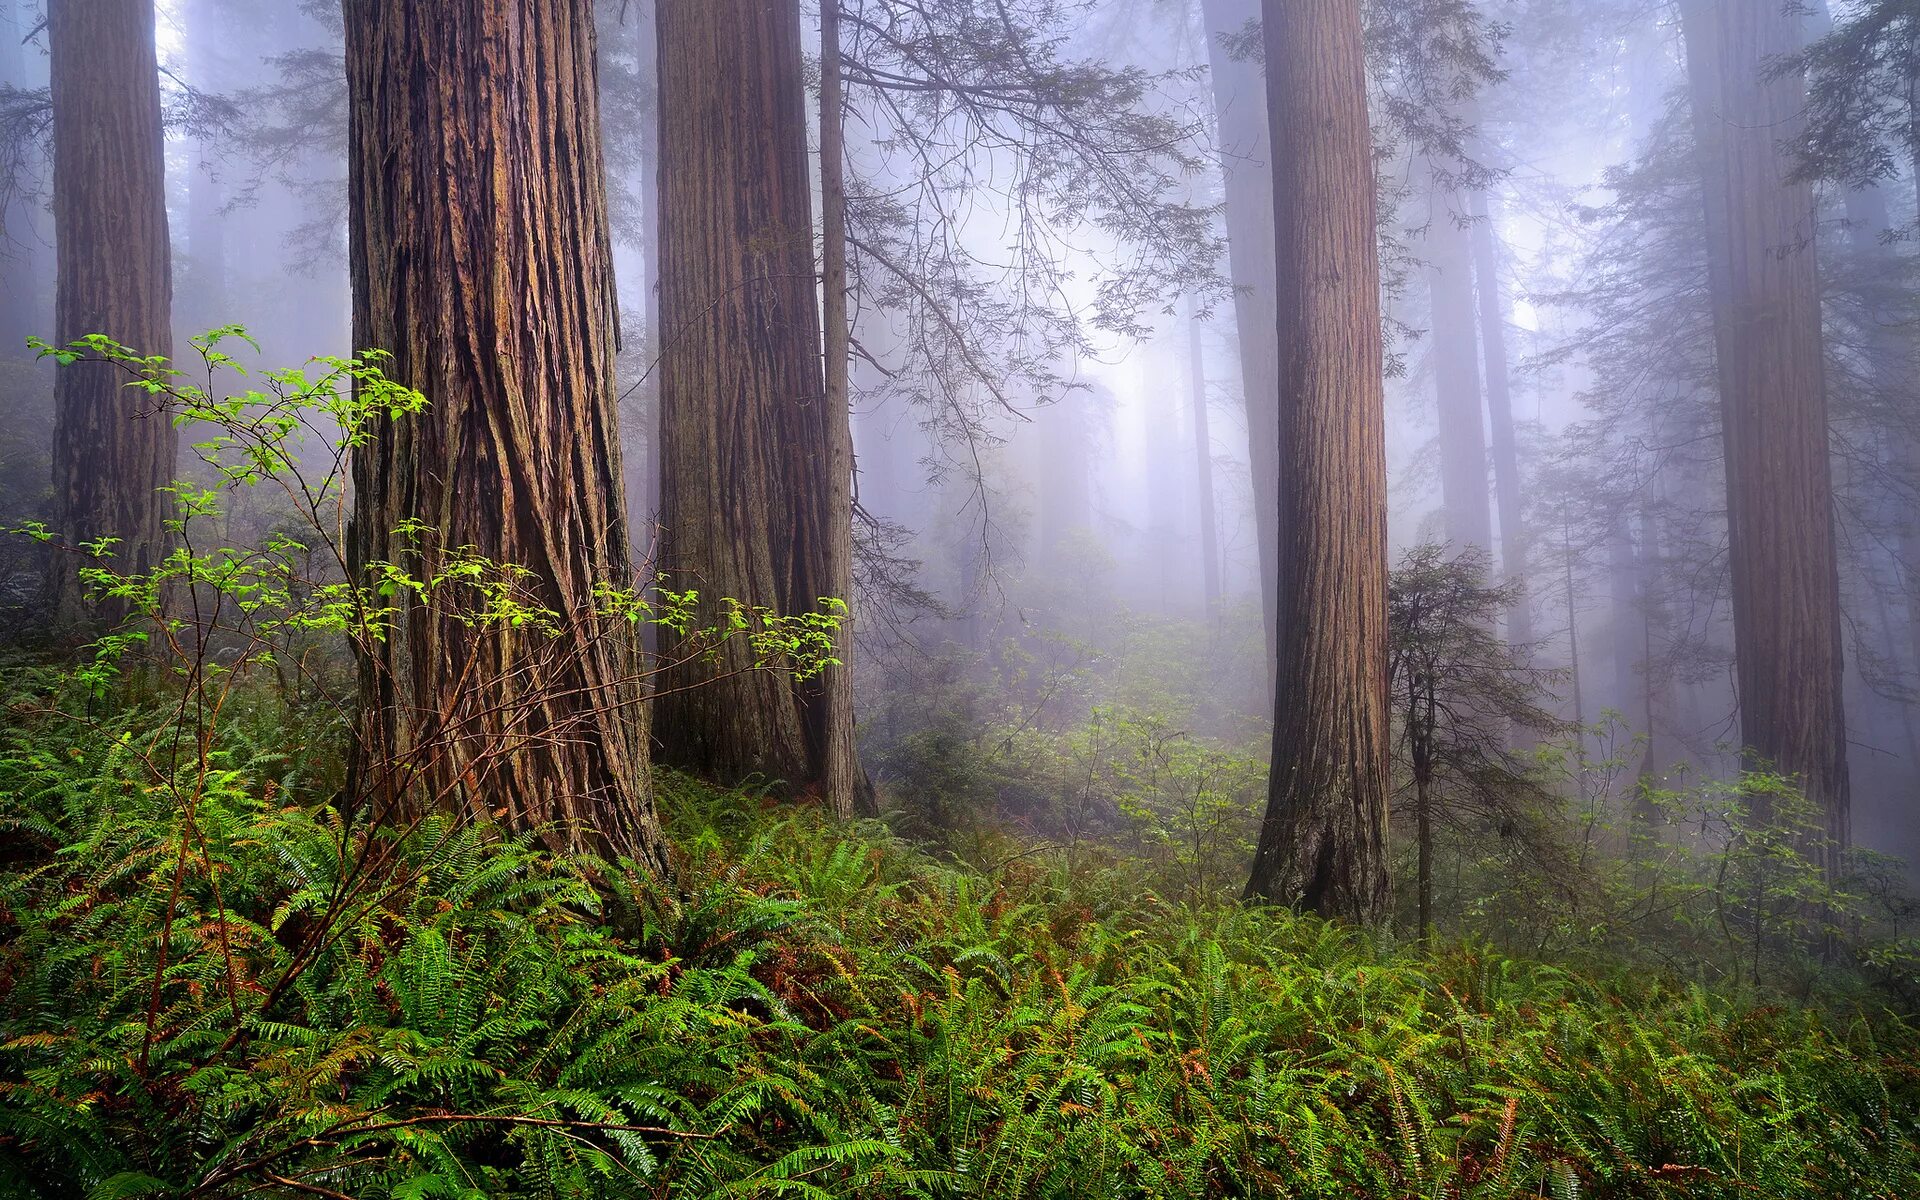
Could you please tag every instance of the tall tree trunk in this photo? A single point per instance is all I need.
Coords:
(1247, 163)
(21, 312)
(1203, 463)
(1065, 483)
(846, 785)
(1625, 573)
(1323, 841)
(206, 300)
(647, 54)
(1456, 376)
(1768, 347)
(752, 506)
(110, 458)
(1508, 494)
(481, 260)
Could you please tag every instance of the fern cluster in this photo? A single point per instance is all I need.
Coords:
(810, 1010)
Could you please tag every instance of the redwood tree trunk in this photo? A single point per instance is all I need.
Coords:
(752, 506)
(1456, 375)
(110, 458)
(1323, 841)
(481, 260)
(1768, 347)
(1497, 376)
(1240, 108)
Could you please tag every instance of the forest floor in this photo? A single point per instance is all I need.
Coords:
(818, 1010)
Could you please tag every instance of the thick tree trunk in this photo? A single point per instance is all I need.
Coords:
(1323, 841)
(753, 506)
(481, 260)
(1247, 163)
(1456, 376)
(110, 458)
(1203, 464)
(1508, 495)
(1768, 346)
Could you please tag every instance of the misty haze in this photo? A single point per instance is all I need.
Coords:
(959, 598)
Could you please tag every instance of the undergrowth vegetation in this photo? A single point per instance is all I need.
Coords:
(813, 1010)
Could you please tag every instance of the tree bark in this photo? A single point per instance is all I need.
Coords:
(481, 260)
(110, 456)
(845, 784)
(1247, 164)
(754, 505)
(1768, 349)
(1509, 495)
(1322, 843)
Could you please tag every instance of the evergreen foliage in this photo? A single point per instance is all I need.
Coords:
(815, 1010)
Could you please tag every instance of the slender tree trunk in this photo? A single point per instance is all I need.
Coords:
(1322, 843)
(1456, 375)
(1203, 463)
(1625, 636)
(481, 260)
(1573, 646)
(110, 456)
(1508, 484)
(1768, 345)
(1247, 164)
(845, 784)
(755, 466)
(647, 54)
(1423, 831)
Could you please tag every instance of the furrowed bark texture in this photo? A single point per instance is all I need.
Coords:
(1323, 841)
(481, 261)
(110, 227)
(753, 503)
(1240, 108)
(1768, 348)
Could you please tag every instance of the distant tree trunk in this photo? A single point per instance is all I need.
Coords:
(1065, 484)
(481, 260)
(1247, 164)
(1768, 346)
(1508, 484)
(1628, 635)
(110, 458)
(751, 504)
(1203, 463)
(1456, 375)
(1420, 727)
(207, 301)
(1573, 645)
(21, 315)
(1322, 843)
